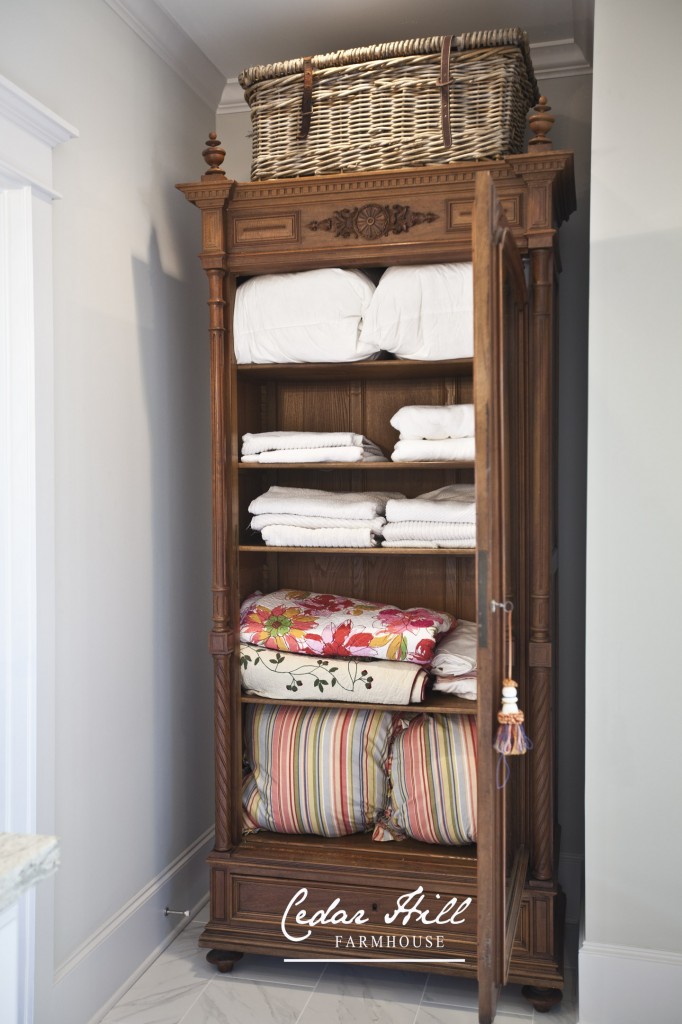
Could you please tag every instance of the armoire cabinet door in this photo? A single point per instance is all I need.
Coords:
(500, 323)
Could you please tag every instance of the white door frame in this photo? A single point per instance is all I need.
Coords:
(28, 134)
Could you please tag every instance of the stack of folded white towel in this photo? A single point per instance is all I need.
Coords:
(309, 446)
(303, 517)
(445, 518)
(434, 433)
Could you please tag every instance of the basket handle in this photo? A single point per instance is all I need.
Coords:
(307, 102)
(444, 84)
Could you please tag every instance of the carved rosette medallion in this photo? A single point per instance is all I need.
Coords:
(372, 221)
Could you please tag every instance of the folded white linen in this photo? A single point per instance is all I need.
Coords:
(314, 522)
(312, 316)
(332, 537)
(309, 501)
(460, 686)
(453, 449)
(423, 312)
(434, 422)
(410, 529)
(457, 654)
(455, 503)
(287, 676)
(349, 454)
(273, 440)
(419, 544)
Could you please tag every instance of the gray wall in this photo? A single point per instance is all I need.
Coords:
(631, 962)
(571, 100)
(125, 767)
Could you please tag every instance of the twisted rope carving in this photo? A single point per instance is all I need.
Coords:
(542, 775)
(223, 796)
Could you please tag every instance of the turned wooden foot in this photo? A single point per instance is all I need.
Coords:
(223, 959)
(543, 999)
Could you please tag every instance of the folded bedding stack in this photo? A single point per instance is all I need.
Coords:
(274, 446)
(404, 774)
(422, 312)
(312, 316)
(454, 665)
(300, 645)
(304, 517)
(444, 518)
(334, 315)
(434, 433)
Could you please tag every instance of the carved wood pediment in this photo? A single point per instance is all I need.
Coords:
(372, 221)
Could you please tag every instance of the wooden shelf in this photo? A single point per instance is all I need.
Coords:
(374, 369)
(359, 850)
(363, 466)
(380, 551)
(443, 703)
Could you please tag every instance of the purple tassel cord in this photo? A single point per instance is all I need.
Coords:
(512, 739)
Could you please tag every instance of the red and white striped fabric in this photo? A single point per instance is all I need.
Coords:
(315, 770)
(433, 782)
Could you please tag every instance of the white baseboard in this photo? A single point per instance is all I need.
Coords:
(625, 985)
(571, 881)
(129, 982)
(95, 976)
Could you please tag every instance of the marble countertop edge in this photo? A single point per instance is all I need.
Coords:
(25, 860)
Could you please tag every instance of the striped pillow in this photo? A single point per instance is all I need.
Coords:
(433, 782)
(315, 770)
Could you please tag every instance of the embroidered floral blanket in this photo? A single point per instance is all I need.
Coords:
(286, 676)
(305, 622)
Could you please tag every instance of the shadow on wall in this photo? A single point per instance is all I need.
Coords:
(571, 99)
(174, 363)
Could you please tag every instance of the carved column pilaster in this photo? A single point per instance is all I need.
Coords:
(212, 196)
(541, 502)
(221, 640)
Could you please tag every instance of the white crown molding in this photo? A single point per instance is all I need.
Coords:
(559, 58)
(172, 44)
(27, 113)
(16, 177)
(232, 101)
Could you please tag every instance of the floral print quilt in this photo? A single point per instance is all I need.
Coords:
(305, 622)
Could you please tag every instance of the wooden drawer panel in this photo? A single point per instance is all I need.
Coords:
(346, 918)
(248, 905)
(280, 227)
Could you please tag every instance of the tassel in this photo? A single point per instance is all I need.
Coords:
(511, 736)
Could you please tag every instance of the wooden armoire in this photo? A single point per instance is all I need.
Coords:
(504, 215)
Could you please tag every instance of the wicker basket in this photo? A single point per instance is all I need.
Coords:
(422, 101)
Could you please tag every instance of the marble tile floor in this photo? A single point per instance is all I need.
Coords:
(181, 988)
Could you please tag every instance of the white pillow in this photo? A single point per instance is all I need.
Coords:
(312, 316)
(460, 686)
(456, 654)
(423, 312)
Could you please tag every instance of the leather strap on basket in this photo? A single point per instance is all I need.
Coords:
(444, 91)
(307, 103)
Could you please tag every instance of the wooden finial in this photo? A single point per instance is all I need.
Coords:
(541, 123)
(214, 154)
